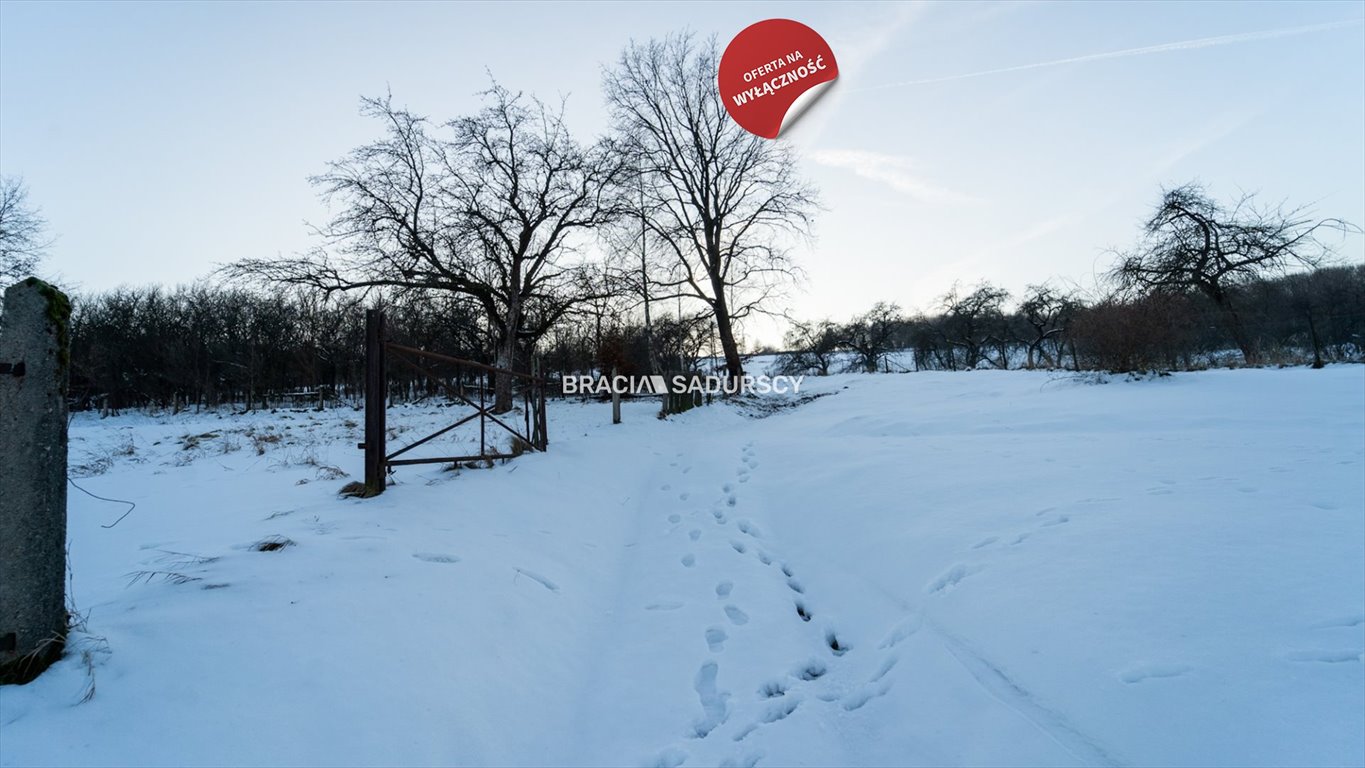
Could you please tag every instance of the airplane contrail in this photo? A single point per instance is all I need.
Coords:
(1183, 45)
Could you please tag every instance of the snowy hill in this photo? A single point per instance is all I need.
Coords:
(925, 569)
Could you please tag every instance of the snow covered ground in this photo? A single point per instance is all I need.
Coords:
(985, 568)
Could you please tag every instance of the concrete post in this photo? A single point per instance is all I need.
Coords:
(34, 356)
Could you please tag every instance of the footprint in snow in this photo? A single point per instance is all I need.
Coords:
(674, 518)
(736, 616)
(694, 534)
(432, 557)
(1340, 656)
(724, 588)
(859, 698)
(715, 639)
(670, 758)
(772, 689)
(812, 670)
(887, 665)
(835, 647)
(541, 580)
(780, 710)
(1149, 671)
(951, 578)
(689, 560)
(713, 701)
(1343, 622)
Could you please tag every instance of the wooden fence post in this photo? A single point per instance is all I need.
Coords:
(34, 356)
(376, 402)
(615, 399)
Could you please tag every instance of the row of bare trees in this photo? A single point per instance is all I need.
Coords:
(210, 345)
(1309, 317)
(1204, 278)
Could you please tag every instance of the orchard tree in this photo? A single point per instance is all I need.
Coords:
(974, 323)
(486, 206)
(871, 336)
(811, 347)
(1047, 312)
(1193, 243)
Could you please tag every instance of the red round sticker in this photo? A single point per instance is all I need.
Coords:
(771, 72)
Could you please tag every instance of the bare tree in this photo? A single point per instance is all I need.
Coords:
(871, 336)
(975, 322)
(717, 200)
(1048, 313)
(810, 347)
(22, 238)
(488, 209)
(1192, 243)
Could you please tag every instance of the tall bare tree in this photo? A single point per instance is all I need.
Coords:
(718, 201)
(487, 206)
(1193, 243)
(22, 228)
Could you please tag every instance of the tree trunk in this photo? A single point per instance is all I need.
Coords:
(502, 382)
(506, 359)
(1317, 345)
(1237, 330)
(734, 367)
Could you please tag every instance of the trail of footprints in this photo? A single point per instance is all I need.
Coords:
(780, 694)
(1048, 518)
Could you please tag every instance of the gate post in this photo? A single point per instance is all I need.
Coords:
(34, 355)
(376, 402)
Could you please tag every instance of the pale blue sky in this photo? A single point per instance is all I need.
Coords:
(162, 139)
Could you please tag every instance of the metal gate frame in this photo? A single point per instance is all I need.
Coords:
(378, 461)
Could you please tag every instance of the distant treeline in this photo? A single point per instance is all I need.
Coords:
(1306, 318)
(209, 345)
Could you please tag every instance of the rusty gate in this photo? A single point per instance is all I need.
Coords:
(528, 389)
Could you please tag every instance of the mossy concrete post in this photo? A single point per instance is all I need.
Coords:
(34, 357)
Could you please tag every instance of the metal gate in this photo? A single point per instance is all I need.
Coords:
(529, 389)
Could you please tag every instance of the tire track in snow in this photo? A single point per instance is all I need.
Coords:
(1000, 686)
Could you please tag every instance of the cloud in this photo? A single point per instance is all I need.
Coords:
(894, 171)
(1181, 45)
